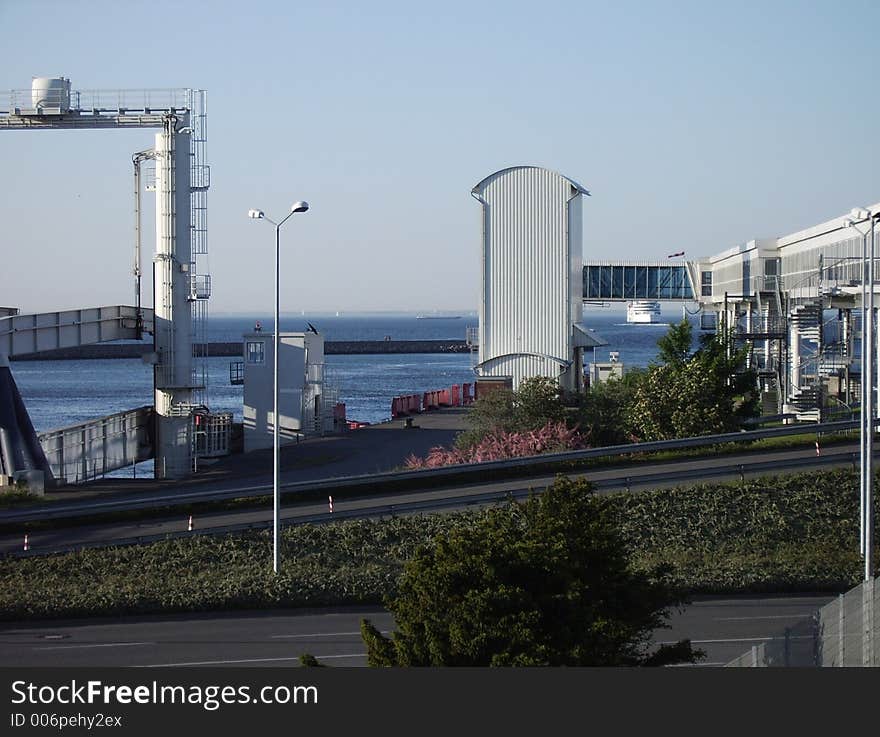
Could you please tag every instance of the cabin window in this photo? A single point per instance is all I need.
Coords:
(256, 351)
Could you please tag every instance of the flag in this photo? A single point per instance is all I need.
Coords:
(673, 255)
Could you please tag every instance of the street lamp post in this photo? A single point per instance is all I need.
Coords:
(866, 531)
(869, 490)
(276, 417)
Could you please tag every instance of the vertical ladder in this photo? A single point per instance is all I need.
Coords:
(200, 286)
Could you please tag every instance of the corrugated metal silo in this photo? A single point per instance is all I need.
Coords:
(532, 287)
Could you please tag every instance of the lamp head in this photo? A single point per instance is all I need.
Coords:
(847, 223)
(256, 214)
(299, 207)
(857, 213)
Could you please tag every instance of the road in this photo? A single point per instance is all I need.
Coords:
(723, 627)
(606, 479)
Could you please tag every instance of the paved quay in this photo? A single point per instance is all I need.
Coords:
(371, 449)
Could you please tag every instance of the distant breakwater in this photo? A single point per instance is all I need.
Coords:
(234, 350)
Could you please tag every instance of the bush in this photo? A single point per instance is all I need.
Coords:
(536, 403)
(551, 438)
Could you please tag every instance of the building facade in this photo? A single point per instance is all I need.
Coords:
(531, 302)
(300, 388)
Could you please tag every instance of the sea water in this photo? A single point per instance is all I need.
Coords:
(61, 393)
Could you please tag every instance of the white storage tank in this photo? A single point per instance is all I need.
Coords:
(51, 94)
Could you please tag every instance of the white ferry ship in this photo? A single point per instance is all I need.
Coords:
(643, 311)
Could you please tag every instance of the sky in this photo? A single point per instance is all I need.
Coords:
(696, 126)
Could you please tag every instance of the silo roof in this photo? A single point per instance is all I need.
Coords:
(480, 185)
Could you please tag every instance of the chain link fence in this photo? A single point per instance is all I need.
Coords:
(843, 633)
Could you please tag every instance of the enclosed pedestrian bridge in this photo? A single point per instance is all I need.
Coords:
(51, 331)
(619, 281)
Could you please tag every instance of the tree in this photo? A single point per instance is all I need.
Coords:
(601, 411)
(542, 582)
(675, 347)
(702, 393)
(535, 403)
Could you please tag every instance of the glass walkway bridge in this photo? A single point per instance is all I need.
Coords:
(628, 281)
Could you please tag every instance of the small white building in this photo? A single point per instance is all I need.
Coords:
(300, 388)
(531, 305)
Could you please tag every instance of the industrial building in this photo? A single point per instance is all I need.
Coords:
(303, 402)
(796, 301)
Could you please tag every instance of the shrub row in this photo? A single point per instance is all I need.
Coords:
(774, 534)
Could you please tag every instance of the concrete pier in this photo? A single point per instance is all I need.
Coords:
(234, 350)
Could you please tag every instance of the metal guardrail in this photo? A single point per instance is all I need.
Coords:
(461, 473)
(385, 510)
(462, 500)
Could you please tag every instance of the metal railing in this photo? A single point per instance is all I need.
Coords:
(154, 100)
(92, 449)
(200, 286)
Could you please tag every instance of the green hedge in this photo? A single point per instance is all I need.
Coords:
(794, 532)
(777, 534)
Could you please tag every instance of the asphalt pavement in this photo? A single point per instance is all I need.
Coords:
(371, 449)
(723, 627)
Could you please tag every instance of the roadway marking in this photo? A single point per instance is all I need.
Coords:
(317, 634)
(247, 660)
(105, 644)
(740, 639)
(695, 665)
(769, 616)
(324, 634)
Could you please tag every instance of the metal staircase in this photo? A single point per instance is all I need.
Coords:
(765, 331)
(805, 390)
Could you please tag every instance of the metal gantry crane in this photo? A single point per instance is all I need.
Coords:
(181, 285)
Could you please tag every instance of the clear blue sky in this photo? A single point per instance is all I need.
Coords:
(696, 125)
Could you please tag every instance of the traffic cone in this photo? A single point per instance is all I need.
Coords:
(26, 545)
(189, 525)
